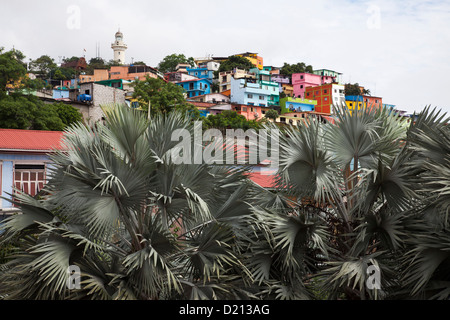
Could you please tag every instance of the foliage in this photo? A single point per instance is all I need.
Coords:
(162, 96)
(169, 63)
(355, 90)
(367, 192)
(42, 66)
(229, 119)
(29, 113)
(68, 114)
(300, 67)
(12, 68)
(271, 114)
(235, 62)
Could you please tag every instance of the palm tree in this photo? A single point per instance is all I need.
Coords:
(380, 190)
(369, 193)
(135, 224)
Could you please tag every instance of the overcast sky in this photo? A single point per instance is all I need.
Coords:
(399, 49)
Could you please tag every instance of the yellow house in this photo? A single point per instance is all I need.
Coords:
(354, 102)
(253, 58)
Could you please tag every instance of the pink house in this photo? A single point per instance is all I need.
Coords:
(300, 81)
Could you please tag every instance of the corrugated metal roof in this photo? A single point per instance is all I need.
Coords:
(31, 140)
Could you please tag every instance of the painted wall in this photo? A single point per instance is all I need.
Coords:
(289, 104)
(60, 94)
(196, 87)
(248, 93)
(8, 161)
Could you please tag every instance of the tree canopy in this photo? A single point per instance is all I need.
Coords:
(19, 111)
(12, 68)
(300, 67)
(169, 63)
(235, 62)
(163, 96)
(229, 119)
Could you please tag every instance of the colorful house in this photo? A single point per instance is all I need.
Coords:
(201, 73)
(329, 76)
(133, 72)
(256, 60)
(263, 77)
(196, 87)
(24, 161)
(289, 104)
(226, 76)
(357, 102)
(99, 75)
(250, 112)
(300, 81)
(326, 96)
(249, 92)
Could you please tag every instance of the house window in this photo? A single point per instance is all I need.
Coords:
(29, 178)
(250, 96)
(301, 86)
(301, 77)
(317, 92)
(244, 108)
(261, 97)
(325, 91)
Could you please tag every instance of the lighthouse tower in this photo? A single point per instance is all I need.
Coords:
(119, 48)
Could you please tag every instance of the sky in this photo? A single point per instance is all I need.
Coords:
(399, 50)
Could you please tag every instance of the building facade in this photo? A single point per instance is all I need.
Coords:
(249, 92)
(196, 87)
(289, 104)
(24, 161)
(326, 96)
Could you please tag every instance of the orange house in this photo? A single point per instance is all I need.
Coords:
(249, 112)
(137, 72)
(326, 95)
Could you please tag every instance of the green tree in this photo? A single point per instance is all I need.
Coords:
(42, 66)
(162, 96)
(169, 63)
(229, 119)
(367, 191)
(136, 224)
(29, 113)
(12, 68)
(271, 114)
(69, 115)
(300, 67)
(63, 73)
(235, 62)
(352, 89)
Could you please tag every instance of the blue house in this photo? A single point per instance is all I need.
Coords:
(196, 87)
(24, 162)
(201, 73)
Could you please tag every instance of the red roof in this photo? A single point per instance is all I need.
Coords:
(29, 140)
(263, 180)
